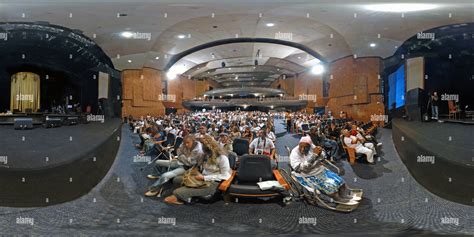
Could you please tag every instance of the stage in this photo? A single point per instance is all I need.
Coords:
(439, 156)
(39, 118)
(41, 167)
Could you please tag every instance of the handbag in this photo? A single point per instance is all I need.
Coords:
(190, 181)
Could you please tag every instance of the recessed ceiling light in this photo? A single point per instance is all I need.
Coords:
(127, 34)
(129, 61)
(400, 7)
(270, 24)
(181, 36)
(372, 45)
(156, 58)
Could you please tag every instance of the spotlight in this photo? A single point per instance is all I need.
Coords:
(372, 45)
(181, 36)
(317, 69)
(270, 24)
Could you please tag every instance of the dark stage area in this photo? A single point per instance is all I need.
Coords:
(439, 156)
(50, 166)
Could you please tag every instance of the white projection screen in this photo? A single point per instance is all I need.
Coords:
(415, 73)
(103, 85)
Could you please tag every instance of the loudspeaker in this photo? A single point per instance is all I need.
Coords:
(23, 123)
(72, 121)
(52, 122)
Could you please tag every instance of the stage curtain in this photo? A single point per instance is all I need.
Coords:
(25, 92)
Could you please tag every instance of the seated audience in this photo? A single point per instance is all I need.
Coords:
(189, 153)
(356, 143)
(214, 168)
(263, 146)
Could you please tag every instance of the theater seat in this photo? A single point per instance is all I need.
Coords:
(252, 169)
(240, 146)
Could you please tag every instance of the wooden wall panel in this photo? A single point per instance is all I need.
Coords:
(354, 87)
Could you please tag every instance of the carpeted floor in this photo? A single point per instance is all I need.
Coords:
(394, 204)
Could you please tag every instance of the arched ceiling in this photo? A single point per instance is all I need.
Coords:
(334, 29)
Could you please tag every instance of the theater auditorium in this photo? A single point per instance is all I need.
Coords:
(263, 117)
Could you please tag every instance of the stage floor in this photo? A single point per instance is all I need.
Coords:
(450, 140)
(28, 149)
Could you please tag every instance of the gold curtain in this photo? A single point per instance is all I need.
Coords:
(25, 92)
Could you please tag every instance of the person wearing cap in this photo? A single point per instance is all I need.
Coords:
(225, 142)
(305, 160)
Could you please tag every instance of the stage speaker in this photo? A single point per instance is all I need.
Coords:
(414, 104)
(23, 123)
(52, 122)
(72, 121)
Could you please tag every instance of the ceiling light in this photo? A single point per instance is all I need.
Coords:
(181, 36)
(317, 69)
(372, 45)
(127, 34)
(171, 75)
(129, 61)
(400, 7)
(270, 24)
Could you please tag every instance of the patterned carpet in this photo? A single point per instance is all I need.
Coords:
(394, 204)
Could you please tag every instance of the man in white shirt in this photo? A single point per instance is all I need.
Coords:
(355, 142)
(263, 146)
